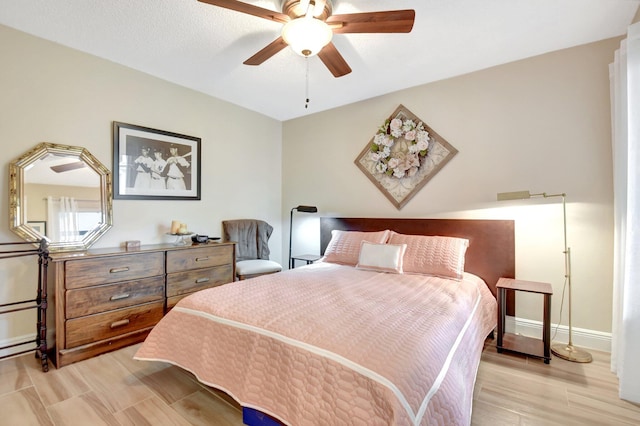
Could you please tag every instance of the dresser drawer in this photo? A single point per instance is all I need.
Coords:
(198, 258)
(93, 300)
(92, 328)
(173, 301)
(187, 282)
(87, 272)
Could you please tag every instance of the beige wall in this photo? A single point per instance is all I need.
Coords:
(541, 124)
(54, 94)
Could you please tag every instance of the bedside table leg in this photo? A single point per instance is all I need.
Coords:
(546, 332)
(501, 322)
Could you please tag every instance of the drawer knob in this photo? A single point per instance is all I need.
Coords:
(202, 259)
(116, 270)
(202, 280)
(119, 296)
(120, 323)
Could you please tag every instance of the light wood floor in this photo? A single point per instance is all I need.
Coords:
(113, 389)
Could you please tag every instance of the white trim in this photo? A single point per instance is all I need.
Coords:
(27, 338)
(592, 339)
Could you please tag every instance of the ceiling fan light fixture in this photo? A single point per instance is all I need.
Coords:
(307, 35)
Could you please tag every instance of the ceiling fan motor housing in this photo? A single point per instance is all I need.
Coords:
(294, 9)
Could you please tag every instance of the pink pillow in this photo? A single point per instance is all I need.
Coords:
(381, 257)
(344, 247)
(432, 255)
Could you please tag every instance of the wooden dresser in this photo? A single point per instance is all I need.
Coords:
(105, 299)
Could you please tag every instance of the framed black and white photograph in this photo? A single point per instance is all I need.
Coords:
(40, 226)
(154, 164)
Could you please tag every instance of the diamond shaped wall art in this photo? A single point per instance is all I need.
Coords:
(403, 155)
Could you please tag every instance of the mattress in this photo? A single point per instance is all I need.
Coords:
(329, 344)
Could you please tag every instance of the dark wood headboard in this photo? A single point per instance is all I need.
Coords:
(491, 252)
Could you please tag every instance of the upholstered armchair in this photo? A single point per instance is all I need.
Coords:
(252, 247)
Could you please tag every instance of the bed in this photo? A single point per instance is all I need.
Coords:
(351, 339)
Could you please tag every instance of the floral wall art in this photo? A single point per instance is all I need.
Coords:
(403, 155)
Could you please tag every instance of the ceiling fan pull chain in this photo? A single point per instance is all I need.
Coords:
(306, 84)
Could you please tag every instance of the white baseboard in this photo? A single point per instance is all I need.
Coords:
(14, 340)
(581, 337)
(591, 339)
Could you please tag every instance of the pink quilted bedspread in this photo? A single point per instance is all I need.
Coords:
(328, 344)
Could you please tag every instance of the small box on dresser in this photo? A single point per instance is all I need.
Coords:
(105, 299)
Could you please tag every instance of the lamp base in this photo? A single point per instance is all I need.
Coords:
(571, 353)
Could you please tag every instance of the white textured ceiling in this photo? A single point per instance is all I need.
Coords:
(202, 47)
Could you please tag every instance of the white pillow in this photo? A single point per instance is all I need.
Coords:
(381, 257)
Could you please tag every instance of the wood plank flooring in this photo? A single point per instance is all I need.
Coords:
(113, 389)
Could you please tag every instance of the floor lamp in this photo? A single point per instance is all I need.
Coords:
(564, 351)
(302, 209)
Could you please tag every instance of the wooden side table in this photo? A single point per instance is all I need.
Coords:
(523, 344)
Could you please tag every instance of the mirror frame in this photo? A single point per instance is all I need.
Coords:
(17, 221)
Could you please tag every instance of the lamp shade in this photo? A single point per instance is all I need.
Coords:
(306, 209)
(517, 195)
(307, 35)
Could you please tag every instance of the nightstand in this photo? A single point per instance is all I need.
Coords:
(309, 258)
(523, 344)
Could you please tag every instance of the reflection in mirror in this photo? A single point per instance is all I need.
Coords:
(61, 193)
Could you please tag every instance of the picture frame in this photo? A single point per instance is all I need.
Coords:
(152, 164)
(400, 190)
(40, 226)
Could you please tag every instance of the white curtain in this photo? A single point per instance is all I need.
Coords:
(625, 103)
(62, 216)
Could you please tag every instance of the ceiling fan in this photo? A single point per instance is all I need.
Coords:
(310, 25)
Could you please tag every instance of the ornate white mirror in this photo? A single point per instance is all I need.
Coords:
(61, 193)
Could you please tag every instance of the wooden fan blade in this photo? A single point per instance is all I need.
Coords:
(333, 60)
(69, 166)
(249, 9)
(271, 49)
(392, 21)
